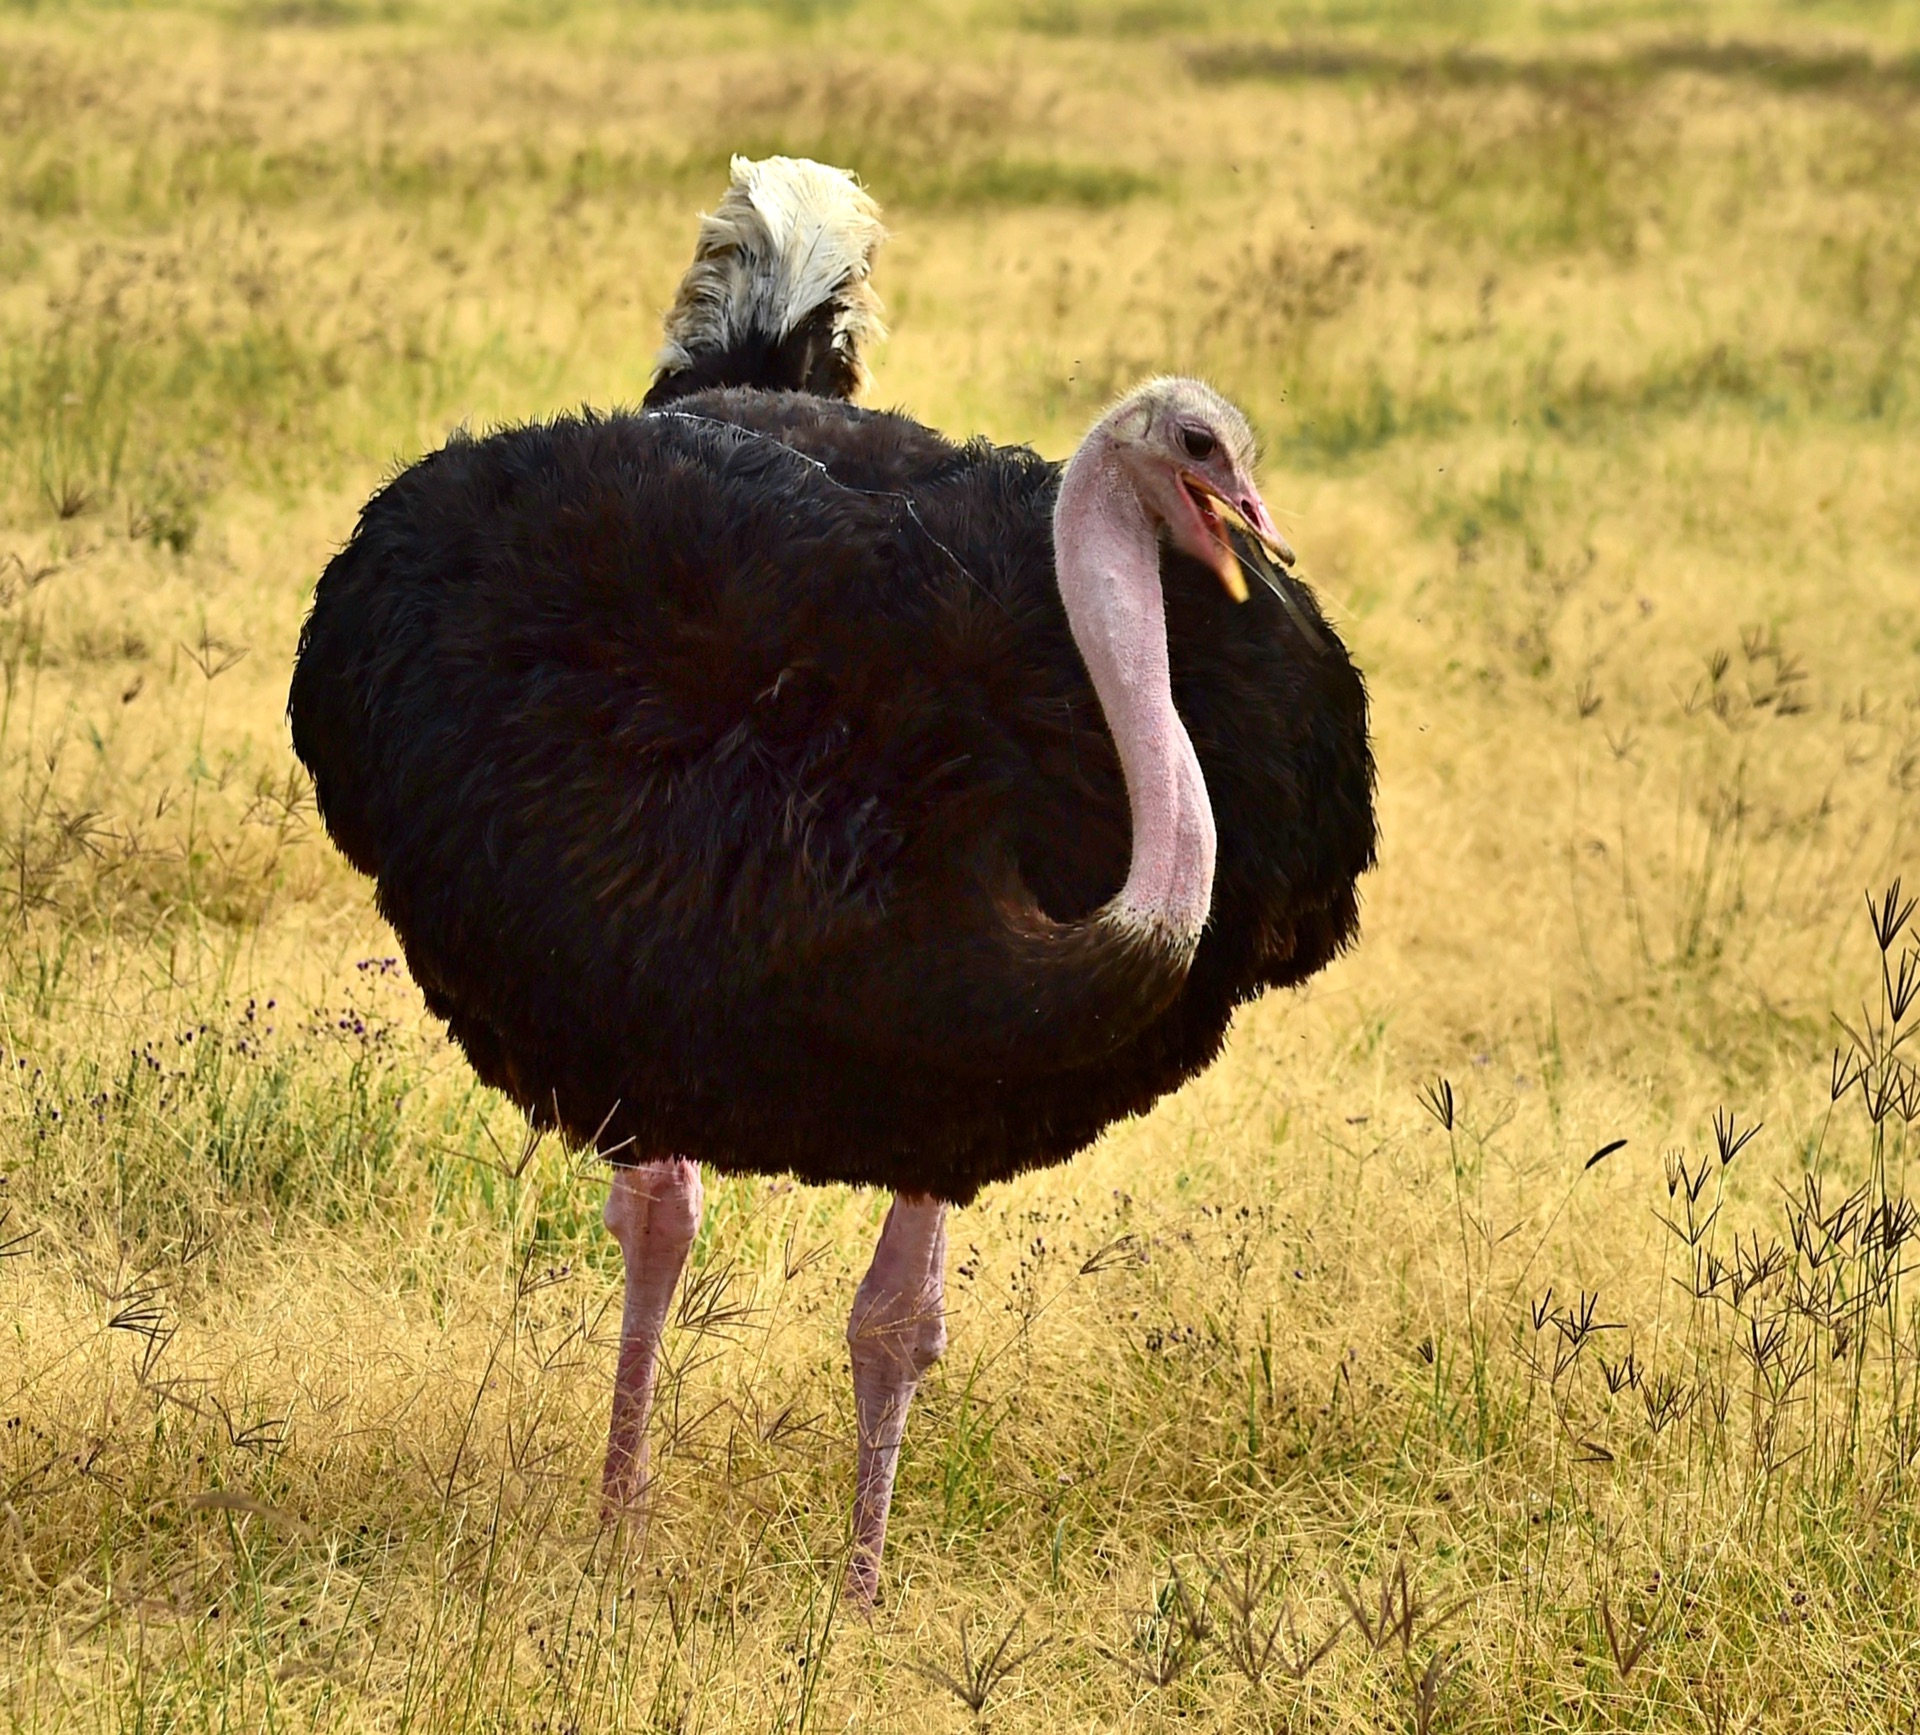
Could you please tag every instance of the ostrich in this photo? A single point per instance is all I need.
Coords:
(766, 784)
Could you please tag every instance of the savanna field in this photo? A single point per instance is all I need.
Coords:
(1516, 1330)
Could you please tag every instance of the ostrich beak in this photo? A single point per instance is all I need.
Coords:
(1257, 537)
(1244, 531)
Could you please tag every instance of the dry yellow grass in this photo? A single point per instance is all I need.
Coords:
(1584, 345)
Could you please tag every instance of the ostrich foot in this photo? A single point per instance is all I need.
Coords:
(653, 1212)
(898, 1330)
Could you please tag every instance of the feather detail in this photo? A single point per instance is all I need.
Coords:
(779, 292)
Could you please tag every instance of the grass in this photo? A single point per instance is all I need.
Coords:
(1512, 1332)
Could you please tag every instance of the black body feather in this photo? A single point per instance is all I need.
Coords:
(805, 359)
(737, 791)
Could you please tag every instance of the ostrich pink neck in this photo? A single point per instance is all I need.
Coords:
(1107, 555)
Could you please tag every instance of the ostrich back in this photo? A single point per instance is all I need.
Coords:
(695, 754)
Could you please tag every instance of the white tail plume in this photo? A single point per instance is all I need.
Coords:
(789, 236)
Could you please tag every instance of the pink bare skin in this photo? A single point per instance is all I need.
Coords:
(1170, 457)
(653, 1211)
(1134, 474)
(897, 1331)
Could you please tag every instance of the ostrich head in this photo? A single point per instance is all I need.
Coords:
(1189, 454)
(1171, 459)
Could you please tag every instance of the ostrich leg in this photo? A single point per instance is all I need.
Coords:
(898, 1331)
(653, 1212)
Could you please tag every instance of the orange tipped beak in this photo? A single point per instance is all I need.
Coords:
(1250, 519)
(1227, 566)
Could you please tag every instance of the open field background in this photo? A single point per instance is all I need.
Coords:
(1585, 345)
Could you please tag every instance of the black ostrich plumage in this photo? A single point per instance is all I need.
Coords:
(737, 791)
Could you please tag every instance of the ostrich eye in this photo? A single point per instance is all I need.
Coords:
(1198, 442)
